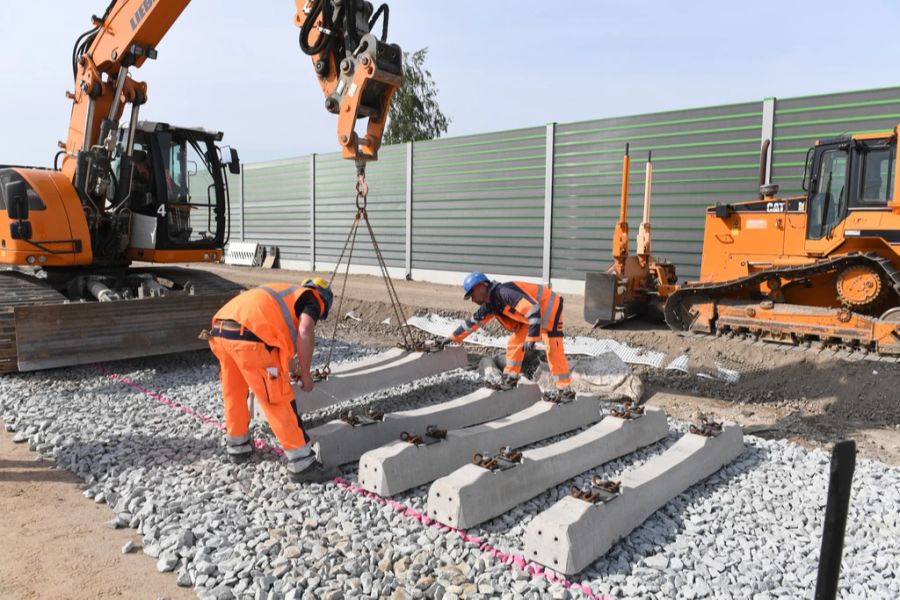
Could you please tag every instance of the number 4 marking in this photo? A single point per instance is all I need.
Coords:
(161, 211)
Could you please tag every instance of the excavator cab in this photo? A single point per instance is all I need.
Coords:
(175, 185)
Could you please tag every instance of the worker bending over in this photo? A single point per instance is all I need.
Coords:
(263, 339)
(531, 312)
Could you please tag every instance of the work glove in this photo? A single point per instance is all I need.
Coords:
(528, 346)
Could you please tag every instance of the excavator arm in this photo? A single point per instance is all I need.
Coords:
(126, 192)
(122, 38)
(357, 71)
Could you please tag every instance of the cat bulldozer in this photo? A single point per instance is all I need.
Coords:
(819, 269)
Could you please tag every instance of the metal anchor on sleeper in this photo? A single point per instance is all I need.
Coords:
(505, 458)
(600, 491)
(433, 435)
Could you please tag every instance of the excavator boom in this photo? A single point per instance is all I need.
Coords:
(152, 191)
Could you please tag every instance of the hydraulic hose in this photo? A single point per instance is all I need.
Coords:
(384, 23)
(322, 7)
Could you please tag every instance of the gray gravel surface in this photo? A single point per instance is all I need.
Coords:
(750, 531)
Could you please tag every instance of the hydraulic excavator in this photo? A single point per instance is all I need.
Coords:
(153, 192)
(819, 269)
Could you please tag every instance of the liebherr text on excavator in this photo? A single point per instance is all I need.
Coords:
(152, 192)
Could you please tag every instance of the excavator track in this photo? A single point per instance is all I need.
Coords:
(680, 313)
(17, 290)
(41, 329)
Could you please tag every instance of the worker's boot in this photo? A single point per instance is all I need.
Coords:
(314, 472)
(239, 451)
(567, 392)
(508, 382)
(306, 469)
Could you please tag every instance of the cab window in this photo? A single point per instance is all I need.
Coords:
(828, 200)
(876, 178)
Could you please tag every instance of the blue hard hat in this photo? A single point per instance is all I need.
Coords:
(472, 280)
(324, 289)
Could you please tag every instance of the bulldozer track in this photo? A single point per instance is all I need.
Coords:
(675, 304)
(40, 328)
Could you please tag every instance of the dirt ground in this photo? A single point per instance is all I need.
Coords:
(56, 543)
(811, 398)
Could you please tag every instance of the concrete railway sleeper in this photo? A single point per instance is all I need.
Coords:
(494, 484)
(385, 370)
(402, 465)
(582, 527)
(339, 441)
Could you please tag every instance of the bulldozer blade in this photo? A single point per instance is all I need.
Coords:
(600, 298)
(59, 335)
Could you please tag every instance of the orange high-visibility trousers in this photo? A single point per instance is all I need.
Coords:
(556, 356)
(247, 366)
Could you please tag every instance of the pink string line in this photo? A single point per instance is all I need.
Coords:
(257, 443)
(517, 560)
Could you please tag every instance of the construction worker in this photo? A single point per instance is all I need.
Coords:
(531, 312)
(263, 339)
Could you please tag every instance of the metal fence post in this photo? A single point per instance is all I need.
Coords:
(768, 133)
(409, 208)
(312, 212)
(548, 202)
(242, 201)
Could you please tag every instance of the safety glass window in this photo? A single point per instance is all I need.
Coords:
(828, 200)
(877, 177)
(190, 209)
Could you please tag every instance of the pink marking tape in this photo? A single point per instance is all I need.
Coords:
(535, 570)
(257, 443)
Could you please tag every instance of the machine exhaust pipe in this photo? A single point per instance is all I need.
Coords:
(763, 164)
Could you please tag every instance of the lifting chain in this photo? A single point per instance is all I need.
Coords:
(409, 340)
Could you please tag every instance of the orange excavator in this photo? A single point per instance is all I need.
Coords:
(819, 269)
(152, 192)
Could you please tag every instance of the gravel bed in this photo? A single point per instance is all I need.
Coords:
(751, 530)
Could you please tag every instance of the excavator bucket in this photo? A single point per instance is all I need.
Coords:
(600, 298)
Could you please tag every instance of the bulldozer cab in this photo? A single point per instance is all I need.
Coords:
(175, 184)
(842, 176)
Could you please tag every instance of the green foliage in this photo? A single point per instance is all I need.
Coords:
(414, 114)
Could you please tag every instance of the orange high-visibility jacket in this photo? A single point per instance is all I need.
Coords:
(514, 304)
(268, 311)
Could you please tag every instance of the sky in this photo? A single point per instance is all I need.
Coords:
(235, 66)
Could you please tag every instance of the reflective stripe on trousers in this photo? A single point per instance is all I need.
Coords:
(237, 440)
(298, 453)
